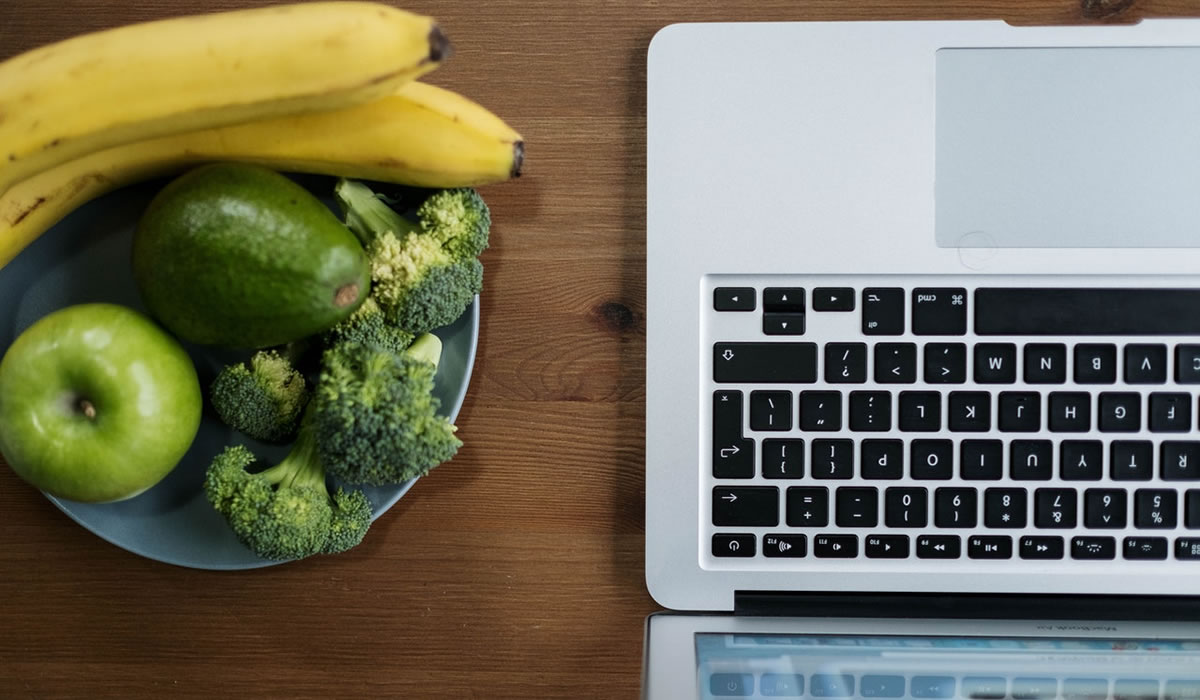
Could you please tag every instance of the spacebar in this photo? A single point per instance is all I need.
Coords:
(1083, 311)
(791, 363)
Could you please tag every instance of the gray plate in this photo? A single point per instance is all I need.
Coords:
(85, 258)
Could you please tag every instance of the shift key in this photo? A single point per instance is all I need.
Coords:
(765, 363)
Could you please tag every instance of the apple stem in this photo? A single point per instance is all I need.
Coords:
(87, 408)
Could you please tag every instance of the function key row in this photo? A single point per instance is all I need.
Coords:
(953, 363)
(979, 547)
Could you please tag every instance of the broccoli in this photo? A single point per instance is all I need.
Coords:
(286, 511)
(262, 399)
(367, 325)
(424, 274)
(375, 415)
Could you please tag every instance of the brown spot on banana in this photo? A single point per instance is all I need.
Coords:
(29, 210)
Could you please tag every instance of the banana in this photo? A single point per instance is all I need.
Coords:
(421, 135)
(94, 91)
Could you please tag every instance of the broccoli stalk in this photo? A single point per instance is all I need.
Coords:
(286, 511)
(262, 399)
(425, 273)
(375, 415)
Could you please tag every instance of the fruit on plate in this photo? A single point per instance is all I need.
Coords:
(239, 256)
(97, 403)
(71, 98)
(420, 135)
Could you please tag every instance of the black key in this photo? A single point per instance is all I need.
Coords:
(745, 506)
(733, 455)
(939, 547)
(932, 687)
(896, 363)
(1069, 412)
(807, 506)
(981, 460)
(883, 311)
(1104, 509)
(1145, 363)
(1187, 364)
(984, 687)
(1146, 548)
(846, 363)
(820, 410)
(835, 547)
(833, 459)
(906, 507)
(955, 508)
(1041, 547)
(782, 324)
(1131, 460)
(1086, 311)
(1019, 412)
(882, 459)
(1180, 460)
(1055, 509)
(733, 299)
(1045, 363)
(1120, 412)
(931, 459)
(939, 311)
(1187, 548)
(857, 506)
(833, 299)
(828, 685)
(995, 363)
(789, 546)
(1080, 460)
(870, 411)
(1035, 688)
(1093, 548)
(1031, 460)
(783, 459)
(945, 363)
(783, 299)
(787, 685)
(764, 363)
(886, 546)
(1004, 508)
(733, 545)
(989, 547)
(877, 686)
(1085, 688)
(1095, 363)
(1136, 689)
(1170, 412)
(770, 410)
(970, 411)
(731, 684)
(1191, 511)
(920, 411)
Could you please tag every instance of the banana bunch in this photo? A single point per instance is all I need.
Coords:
(324, 87)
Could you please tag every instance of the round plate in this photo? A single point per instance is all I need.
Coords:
(85, 258)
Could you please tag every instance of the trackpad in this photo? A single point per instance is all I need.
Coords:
(1068, 147)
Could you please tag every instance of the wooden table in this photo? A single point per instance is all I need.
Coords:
(515, 571)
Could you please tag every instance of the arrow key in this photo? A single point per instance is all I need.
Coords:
(791, 546)
(783, 324)
(733, 299)
(887, 546)
(745, 506)
(833, 299)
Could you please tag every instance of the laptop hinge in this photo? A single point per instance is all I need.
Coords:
(967, 606)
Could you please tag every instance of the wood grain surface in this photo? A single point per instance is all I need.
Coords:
(516, 570)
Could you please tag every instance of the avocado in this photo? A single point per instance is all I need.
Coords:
(240, 256)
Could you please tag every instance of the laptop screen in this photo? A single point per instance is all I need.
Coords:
(1028, 668)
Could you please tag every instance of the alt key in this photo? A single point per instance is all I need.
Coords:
(732, 545)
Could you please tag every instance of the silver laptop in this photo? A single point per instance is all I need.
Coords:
(923, 352)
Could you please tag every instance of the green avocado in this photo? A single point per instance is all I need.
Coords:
(240, 256)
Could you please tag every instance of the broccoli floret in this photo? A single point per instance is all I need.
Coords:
(423, 274)
(286, 511)
(262, 399)
(367, 325)
(375, 416)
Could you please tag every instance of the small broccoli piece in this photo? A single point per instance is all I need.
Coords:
(367, 325)
(375, 416)
(262, 399)
(286, 511)
(423, 274)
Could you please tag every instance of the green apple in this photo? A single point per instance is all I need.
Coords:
(97, 403)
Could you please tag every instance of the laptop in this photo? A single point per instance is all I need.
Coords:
(923, 360)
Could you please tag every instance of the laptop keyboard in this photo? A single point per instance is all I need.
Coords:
(941, 419)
